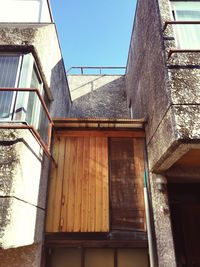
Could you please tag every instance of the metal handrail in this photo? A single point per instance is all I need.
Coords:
(175, 22)
(46, 147)
(82, 68)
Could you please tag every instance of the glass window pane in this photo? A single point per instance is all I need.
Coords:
(62, 257)
(132, 258)
(187, 36)
(43, 120)
(34, 104)
(8, 76)
(99, 258)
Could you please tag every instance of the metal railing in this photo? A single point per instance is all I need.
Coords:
(99, 70)
(175, 22)
(28, 111)
(188, 50)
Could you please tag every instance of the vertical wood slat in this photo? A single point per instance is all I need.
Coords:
(105, 185)
(78, 186)
(84, 196)
(55, 187)
(126, 174)
(92, 184)
(139, 176)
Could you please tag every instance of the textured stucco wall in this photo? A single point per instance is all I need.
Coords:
(28, 256)
(44, 39)
(146, 76)
(98, 96)
(22, 201)
(162, 223)
(23, 165)
(164, 91)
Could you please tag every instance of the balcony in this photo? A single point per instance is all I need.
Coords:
(25, 108)
(186, 33)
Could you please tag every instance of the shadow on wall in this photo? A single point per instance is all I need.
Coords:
(98, 96)
(59, 86)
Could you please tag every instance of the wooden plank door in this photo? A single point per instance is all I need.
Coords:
(78, 193)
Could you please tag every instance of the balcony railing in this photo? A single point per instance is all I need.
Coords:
(96, 70)
(24, 108)
(187, 38)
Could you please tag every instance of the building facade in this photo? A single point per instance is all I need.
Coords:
(162, 84)
(33, 89)
(100, 169)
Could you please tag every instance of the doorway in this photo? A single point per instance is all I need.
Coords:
(184, 201)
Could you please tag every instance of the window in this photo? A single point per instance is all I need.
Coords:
(20, 71)
(9, 70)
(187, 36)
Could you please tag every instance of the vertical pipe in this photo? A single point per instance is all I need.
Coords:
(148, 220)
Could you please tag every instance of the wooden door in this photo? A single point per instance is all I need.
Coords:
(79, 187)
(78, 191)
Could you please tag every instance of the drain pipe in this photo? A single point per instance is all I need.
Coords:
(148, 221)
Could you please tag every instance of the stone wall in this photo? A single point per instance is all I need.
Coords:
(98, 96)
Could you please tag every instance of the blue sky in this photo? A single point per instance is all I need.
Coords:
(92, 32)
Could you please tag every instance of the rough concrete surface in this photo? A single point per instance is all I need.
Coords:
(20, 158)
(21, 223)
(146, 78)
(98, 96)
(29, 256)
(162, 223)
(161, 142)
(45, 41)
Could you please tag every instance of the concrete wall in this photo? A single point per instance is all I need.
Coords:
(24, 256)
(165, 91)
(98, 96)
(23, 166)
(43, 38)
(22, 200)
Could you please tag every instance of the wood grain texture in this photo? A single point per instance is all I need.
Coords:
(79, 188)
(78, 191)
(55, 187)
(102, 133)
(127, 201)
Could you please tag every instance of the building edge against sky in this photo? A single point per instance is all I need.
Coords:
(30, 57)
(161, 91)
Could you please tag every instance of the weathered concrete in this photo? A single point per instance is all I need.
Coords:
(29, 256)
(23, 165)
(21, 223)
(162, 222)
(20, 192)
(43, 38)
(166, 92)
(98, 96)
(146, 77)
